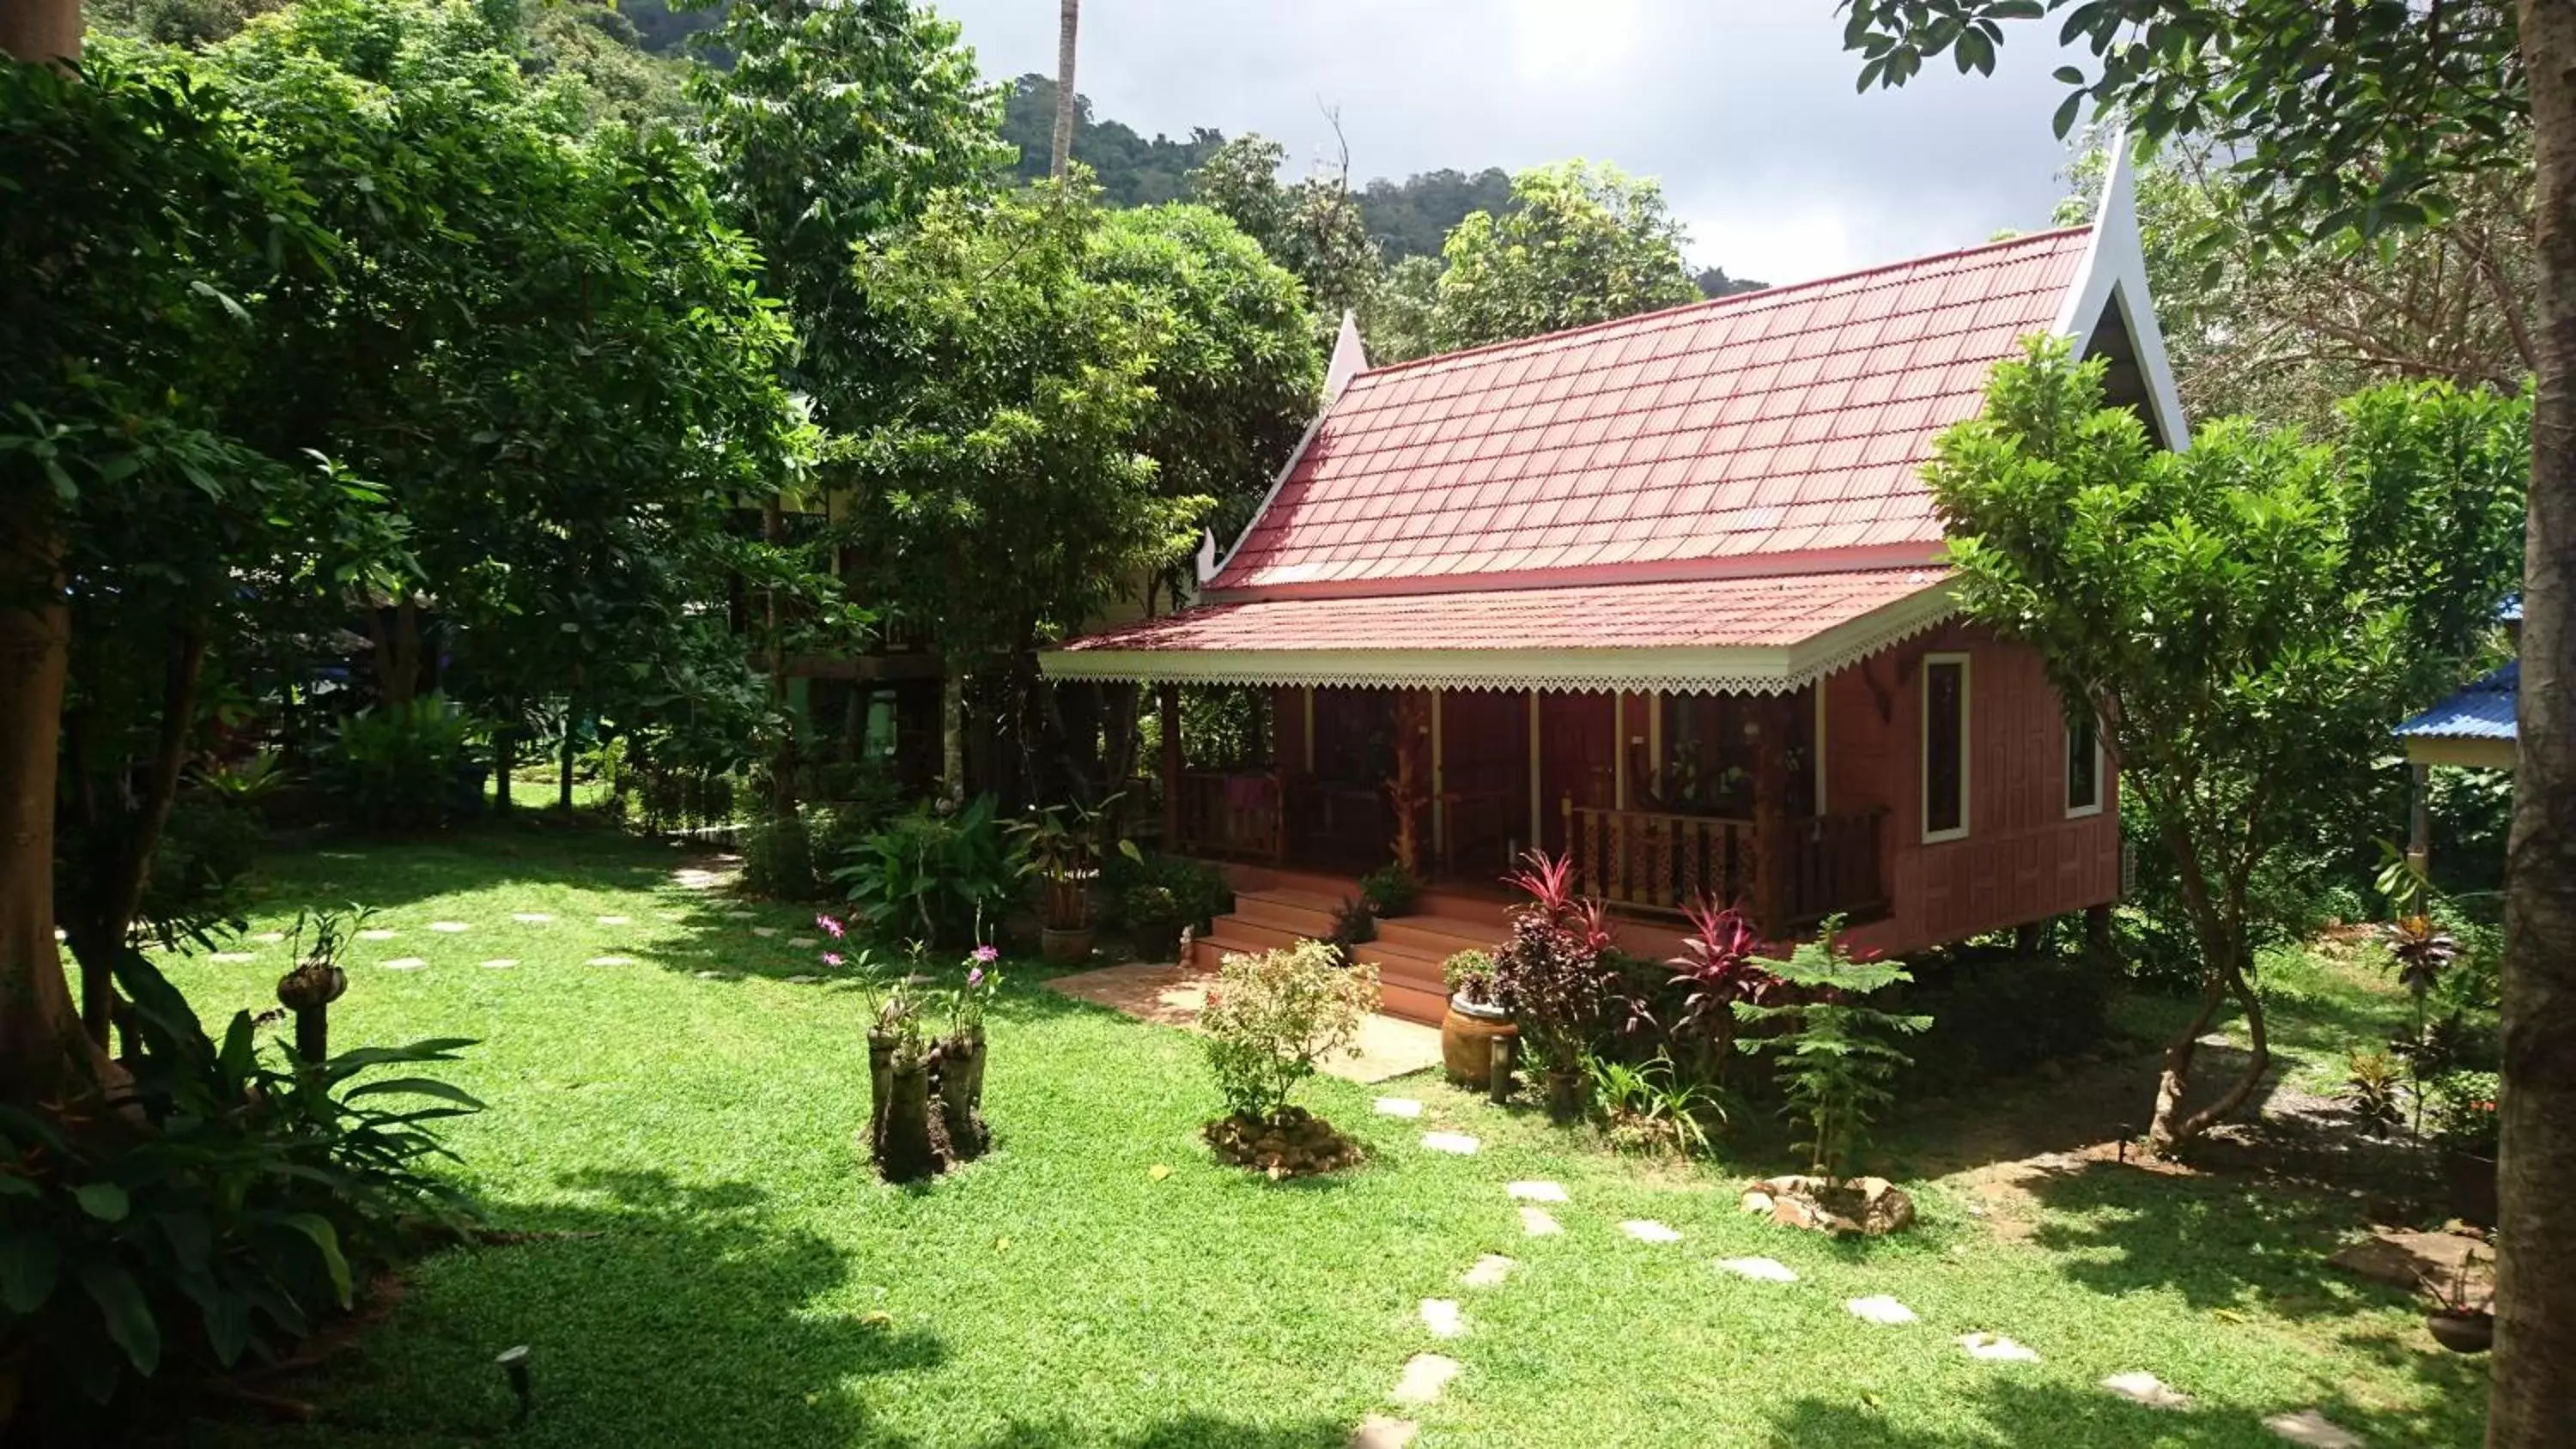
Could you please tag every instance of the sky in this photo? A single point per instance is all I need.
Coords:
(1744, 109)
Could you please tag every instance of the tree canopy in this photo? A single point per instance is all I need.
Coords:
(1580, 243)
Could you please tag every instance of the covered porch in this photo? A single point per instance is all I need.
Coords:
(1660, 798)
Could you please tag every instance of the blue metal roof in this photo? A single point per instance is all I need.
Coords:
(2511, 613)
(2482, 711)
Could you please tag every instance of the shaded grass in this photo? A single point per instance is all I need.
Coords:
(716, 1266)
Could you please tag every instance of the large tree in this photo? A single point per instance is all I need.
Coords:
(1311, 226)
(2368, 118)
(1579, 243)
(2243, 618)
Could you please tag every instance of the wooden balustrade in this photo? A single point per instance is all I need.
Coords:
(1642, 860)
(1221, 814)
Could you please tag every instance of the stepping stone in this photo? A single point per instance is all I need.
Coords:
(269, 938)
(803, 943)
(449, 927)
(234, 956)
(1398, 1107)
(1760, 1270)
(1456, 1142)
(742, 915)
(1489, 1272)
(341, 855)
(1879, 1309)
(1440, 1315)
(1377, 1431)
(2145, 1388)
(616, 920)
(710, 975)
(502, 963)
(1425, 1375)
(378, 934)
(1536, 1192)
(530, 918)
(1646, 1230)
(802, 980)
(405, 963)
(610, 961)
(764, 932)
(1537, 1224)
(1994, 1348)
(2313, 1429)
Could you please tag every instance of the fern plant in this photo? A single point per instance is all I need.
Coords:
(1834, 1049)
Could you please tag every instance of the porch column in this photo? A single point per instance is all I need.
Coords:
(1439, 786)
(1538, 819)
(2419, 816)
(1770, 792)
(1167, 711)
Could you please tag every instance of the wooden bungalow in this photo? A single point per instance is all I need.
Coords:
(1667, 594)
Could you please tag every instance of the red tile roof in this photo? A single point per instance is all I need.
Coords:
(1788, 422)
(1769, 611)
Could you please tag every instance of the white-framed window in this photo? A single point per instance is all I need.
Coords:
(2087, 769)
(1945, 747)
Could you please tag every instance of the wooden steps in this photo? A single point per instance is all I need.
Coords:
(1408, 952)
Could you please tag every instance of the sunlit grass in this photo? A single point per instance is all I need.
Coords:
(711, 1262)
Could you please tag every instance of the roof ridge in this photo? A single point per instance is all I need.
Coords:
(1711, 303)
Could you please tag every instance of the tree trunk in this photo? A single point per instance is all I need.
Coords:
(96, 941)
(41, 29)
(782, 761)
(952, 734)
(505, 754)
(1069, 23)
(2533, 1399)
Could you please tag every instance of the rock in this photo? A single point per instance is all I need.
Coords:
(2418, 1260)
(801, 980)
(1995, 1348)
(1380, 1432)
(530, 918)
(1878, 1309)
(502, 963)
(1646, 1230)
(1453, 1142)
(615, 920)
(1398, 1107)
(2145, 1388)
(449, 928)
(377, 934)
(1761, 1270)
(1757, 1201)
(1867, 1206)
(610, 961)
(1425, 1375)
(1536, 1223)
(405, 963)
(1535, 1192)
(1489, 1272)
(2313, 1429)
(1440, 1315)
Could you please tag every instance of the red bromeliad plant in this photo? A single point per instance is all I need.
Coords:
(1720, 965)
(1552, 972)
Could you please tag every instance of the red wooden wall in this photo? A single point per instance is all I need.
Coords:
(2024, 859)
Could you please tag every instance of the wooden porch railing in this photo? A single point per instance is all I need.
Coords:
(1810, 868)
(1227, 814)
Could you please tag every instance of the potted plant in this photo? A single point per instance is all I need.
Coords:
(1065, 845)
(1153, 922)
(318, 979)
(1476, 1019)
(1554, 971)
(2461, 1321)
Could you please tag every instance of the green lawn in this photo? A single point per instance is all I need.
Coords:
(710, 1263)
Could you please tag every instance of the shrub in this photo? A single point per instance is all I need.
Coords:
(1649, 1105)
(1391, 890)
(1553, 970)
(2464, 1111)
(2005, 1015)
(933, 877)
(405, 766)
(1199, 890)
(778, 858)
(1684, 1009)
(1469, 976)
(1834, 1061)
(1271, 1017)
(251, 1199)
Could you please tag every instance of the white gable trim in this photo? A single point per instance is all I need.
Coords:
(2114, 274)
(1770, 669)
(1350, 359)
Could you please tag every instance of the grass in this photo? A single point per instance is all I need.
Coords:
(710, 1263)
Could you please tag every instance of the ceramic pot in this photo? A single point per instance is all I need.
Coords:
(1155, 940)
(2462, 1332)
(1065, 948)
(1467, 1034)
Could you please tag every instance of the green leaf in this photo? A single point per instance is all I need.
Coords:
(127, 1316)
(418, 1087)
(326, 1241)
(29, 1267)
(104, 1201)
(2064, 121)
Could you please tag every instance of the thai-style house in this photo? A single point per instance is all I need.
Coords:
(1666, 594)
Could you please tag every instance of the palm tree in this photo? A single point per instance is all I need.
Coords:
(1065, 31)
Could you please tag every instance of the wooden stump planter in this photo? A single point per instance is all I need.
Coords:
(1295, 1143)
(1467, 1035)
(909, 1140)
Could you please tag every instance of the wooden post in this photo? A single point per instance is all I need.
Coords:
(2097, 937)
(1167, 710)
(2419, 819)
(1770, 791)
